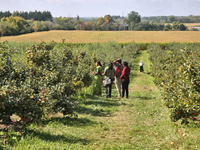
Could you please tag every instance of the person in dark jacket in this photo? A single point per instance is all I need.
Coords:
(125, 78)
(109, 72)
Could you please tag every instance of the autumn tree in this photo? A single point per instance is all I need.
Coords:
(109, 19)
(92, 24)
(17, 24)
(100, 22)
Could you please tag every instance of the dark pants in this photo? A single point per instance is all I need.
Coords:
(125, 84)
(110, 89)
(141, 69)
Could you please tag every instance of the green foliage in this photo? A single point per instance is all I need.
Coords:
(49, 74)
(10, 137)
(149, 26)
(17, 24)
(44, 84)
(177, 72)
(134, 17)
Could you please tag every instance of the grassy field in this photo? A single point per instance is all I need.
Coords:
(191, 25)
(105, 36)
(140, 122)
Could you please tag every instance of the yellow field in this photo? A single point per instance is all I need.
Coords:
(104, 36)
(191, 25)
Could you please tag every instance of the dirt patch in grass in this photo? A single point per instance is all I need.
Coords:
(10, 125)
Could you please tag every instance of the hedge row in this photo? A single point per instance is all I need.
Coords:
(177, 72)
(43, 77)
(142, 46)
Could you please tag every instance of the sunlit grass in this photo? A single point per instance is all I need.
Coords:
(191, 24)
(105, 36)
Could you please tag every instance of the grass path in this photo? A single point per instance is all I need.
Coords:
(140, 122)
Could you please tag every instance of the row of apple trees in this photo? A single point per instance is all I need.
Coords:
(178, 72)
(42, 78)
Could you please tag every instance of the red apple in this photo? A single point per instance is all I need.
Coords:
(25, 119)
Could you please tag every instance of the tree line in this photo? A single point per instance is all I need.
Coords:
(23, 22)
(172, 18)
(37, 15)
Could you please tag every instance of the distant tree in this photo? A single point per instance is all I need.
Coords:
(158, 20)
(176, 25)
(37, 15)
(17, 24)
(161, 26)
(88, 27)
(116, 17)
(171, 19)
(92, 25)
(16, 13)
(5, 29)
(36, 26)
(77, 24)
(5, 14)
(182, 27)
(24, 15)
(125, 21)
(82, 26)
(99, 23)
(165, 29)
(133, 18)
(166, 20)
(109, 19)
(77, 18)
(168, 26)
(40, 16)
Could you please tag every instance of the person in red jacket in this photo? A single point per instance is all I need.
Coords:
(125, 78)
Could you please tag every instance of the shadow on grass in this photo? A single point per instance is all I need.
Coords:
(78, 122)
(57, 138)
(107, 103)
(93, 112)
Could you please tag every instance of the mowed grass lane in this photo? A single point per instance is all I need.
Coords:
(105, 36)
(140, 122)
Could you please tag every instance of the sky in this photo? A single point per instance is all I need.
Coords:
(100, 8)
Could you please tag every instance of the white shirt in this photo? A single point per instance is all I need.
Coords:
(141, 64)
